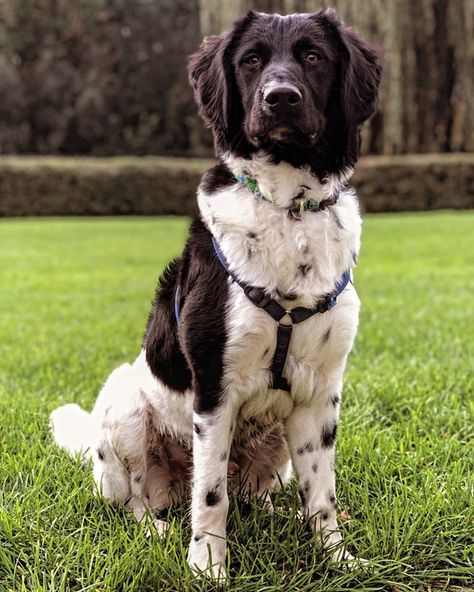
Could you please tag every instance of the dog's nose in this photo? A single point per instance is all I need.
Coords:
(284, 97)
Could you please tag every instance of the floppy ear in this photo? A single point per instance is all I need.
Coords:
(360, 77)
(209, 80)
(211, 74)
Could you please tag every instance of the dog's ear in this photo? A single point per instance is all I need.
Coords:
(361, 72)
(211, 74)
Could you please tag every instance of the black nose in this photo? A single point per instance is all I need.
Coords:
(284, 97)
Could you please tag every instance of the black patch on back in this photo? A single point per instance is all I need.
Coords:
(328, 435)
(314, 467)
(163, 352)
(217, 178)
(190, 354)
(100, 453)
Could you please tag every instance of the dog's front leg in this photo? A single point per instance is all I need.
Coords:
(211, 448)
(311, 433)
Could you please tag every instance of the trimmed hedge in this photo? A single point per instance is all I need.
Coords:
(43, 186)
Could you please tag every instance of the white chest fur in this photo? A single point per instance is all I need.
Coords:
(303, 258)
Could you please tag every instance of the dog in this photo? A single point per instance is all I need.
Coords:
(239, 379)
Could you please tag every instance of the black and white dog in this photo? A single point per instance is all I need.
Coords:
(241, 371)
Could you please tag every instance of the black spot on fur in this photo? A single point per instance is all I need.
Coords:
(251, 235)
(304, 492)
(304, 269)
(324, 515)
(217, 178)
(213, 497)
(308, 447)
(336, 219)
(328, 435)
(335, 399)
(137, 478)
(326, 336)
(100, 453)
(332, 499)
(199, 536)
(198, 429)
(314, 467)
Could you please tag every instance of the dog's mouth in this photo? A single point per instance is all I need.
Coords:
(282, 133)
(285, 135)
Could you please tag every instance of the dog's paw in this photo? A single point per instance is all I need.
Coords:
(207, 557)
(343, 559)
(159, 528)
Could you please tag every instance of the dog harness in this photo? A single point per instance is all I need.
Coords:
(286, 318)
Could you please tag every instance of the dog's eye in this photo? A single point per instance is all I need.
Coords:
(311, 57)
(253, 60)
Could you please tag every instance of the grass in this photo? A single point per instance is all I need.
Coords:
(73, 302)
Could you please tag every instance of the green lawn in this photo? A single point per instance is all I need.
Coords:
(74, 296)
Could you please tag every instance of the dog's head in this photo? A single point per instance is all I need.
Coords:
(296, 87)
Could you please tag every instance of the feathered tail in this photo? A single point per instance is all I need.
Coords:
(73, 429)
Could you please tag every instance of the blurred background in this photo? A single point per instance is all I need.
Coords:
(107, 78)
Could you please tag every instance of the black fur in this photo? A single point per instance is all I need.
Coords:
(217, 178)
(163, 352)
(190, 355)
(213, 496)
(338, 91)
(326, 336)
(308, 447)
(328, 435)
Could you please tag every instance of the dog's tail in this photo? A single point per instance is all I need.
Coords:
(74, 429)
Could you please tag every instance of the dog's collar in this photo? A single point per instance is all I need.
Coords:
(299, 204)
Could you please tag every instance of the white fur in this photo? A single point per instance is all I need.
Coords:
(265, 248)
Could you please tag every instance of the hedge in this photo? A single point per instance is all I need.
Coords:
(44, 186)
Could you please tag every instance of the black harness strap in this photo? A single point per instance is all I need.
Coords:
(278, 313)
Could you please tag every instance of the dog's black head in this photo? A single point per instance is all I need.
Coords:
(297, 87)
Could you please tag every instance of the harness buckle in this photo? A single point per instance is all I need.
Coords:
(257, 296)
